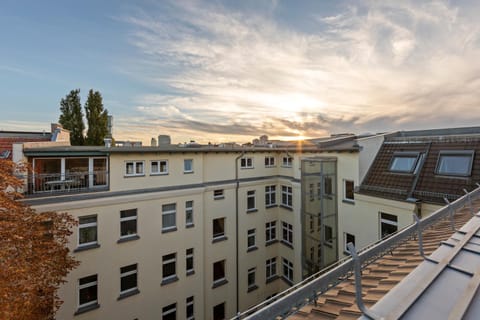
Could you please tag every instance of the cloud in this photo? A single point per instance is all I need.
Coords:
(372, 66)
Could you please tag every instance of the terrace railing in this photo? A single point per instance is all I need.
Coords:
(64, 183)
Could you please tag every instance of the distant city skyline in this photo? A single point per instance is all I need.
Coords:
(218, 71)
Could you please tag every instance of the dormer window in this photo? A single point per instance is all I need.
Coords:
(404, 162)
(455, 163)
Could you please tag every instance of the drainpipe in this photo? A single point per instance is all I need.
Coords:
(237, 185)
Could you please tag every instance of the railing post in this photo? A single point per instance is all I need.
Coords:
(357, 266)
(420, 238)
(450, 210)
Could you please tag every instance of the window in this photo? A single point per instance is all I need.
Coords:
(251, 279)
(189, 262)
(311, 224)
(287, 162)
(347, 239)
(87, 291)
(271, 268)
(169, 217)
(287, 270)
(169, 273)
(328, 185)
(87, 231)
(134, 168)
(128, 279)
(189, 213)
(348, 187)
(128, 223)
(246, 163)
(169, 312)
(403, 162)
(251, 240)
(218, 194)
(319, 190)
(218, 228)
(159, 167)
(270, 231)
(455, 163)
(287, 196)
(187, 165)
(328, 234)
(270, 196)
(311, 192)
(251, 200)
(312, 253)
(287, 233)
(269, 161)
(388, 224)
(219, 273)
(219, 311)
(189, 309)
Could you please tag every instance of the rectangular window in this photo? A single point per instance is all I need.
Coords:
(287, 162)
(169, 212)
(271, 268)
(169, 263)
(270, 231)
(269, 161)
(169, 312)
(189, 308)
(388, 224)
(348, 238)
(246, 163)
(270, 196)
(251, 279)
(87, 291)
(328, 185)
(455, 163)
(158, 167)
(219, 311)
(128, 223)
(218, 194)
(348, 188)
(187, 165)
(287, 269)
(403, 162)
(189, 262)
(319, 190)
(218, 228)
(328, 234)
(311, 224)
(251, 200)
(189, 213)
(219, 271)
(251, 239)
(311, 193)
(287, 196)
(134, 168)
(287, 233)
(128, 279)
(87, 231)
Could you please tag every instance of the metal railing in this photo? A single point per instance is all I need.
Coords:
(307, 291)
(65, 183)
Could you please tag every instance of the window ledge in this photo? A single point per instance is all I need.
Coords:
(169, 230)
(349, 201)
(252, 288)
(247, 168)
(286, 207)
(190, 272)
(287, 281)
(270, 242)
(129, 238)
(252, 210)
(288, 244)
(219, 283)
(219, 239)
(169, 280)
(134, 175)
(187, 172)
(219, 198)
(86, 309)
(159, 174)
(250, 249)
(87, 247)
(191, 225)
(128, 294)
(272, 278)
(271, 206)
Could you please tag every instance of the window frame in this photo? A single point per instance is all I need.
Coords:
(395, 155)
(125, 220)
(251, 279)
(189, 259)
(270, 230)
(166, 213)
(134, 164)
(270, 195)
(345, 241)
(167, 310)
(271, 268)
(246, 163)
(251, 201)
(189, 222)
(84, 226)
(93, 283)
(287, 162)
(287, 233)
(190, 302)
(218, 236)
(458, 153)
(287, 268)
(251, 239)
(345, 198)
(185, 169)
(221, 277)
(270, 162)
(127, 274)
(159, 172)
(218, 194)
(287, 195)
(384, 219)
(169, 260)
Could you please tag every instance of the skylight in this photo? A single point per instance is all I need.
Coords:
(455, 163)
(404, 162)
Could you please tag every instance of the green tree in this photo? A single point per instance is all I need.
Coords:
(71, 117)
(97, 119)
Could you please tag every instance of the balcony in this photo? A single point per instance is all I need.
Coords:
(57, 183)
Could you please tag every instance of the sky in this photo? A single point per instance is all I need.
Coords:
(219, 71)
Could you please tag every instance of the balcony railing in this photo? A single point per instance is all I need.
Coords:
(65, 183)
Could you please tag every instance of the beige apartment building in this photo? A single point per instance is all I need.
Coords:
(184, 232)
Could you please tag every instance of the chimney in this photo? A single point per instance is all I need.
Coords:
(153, 142)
